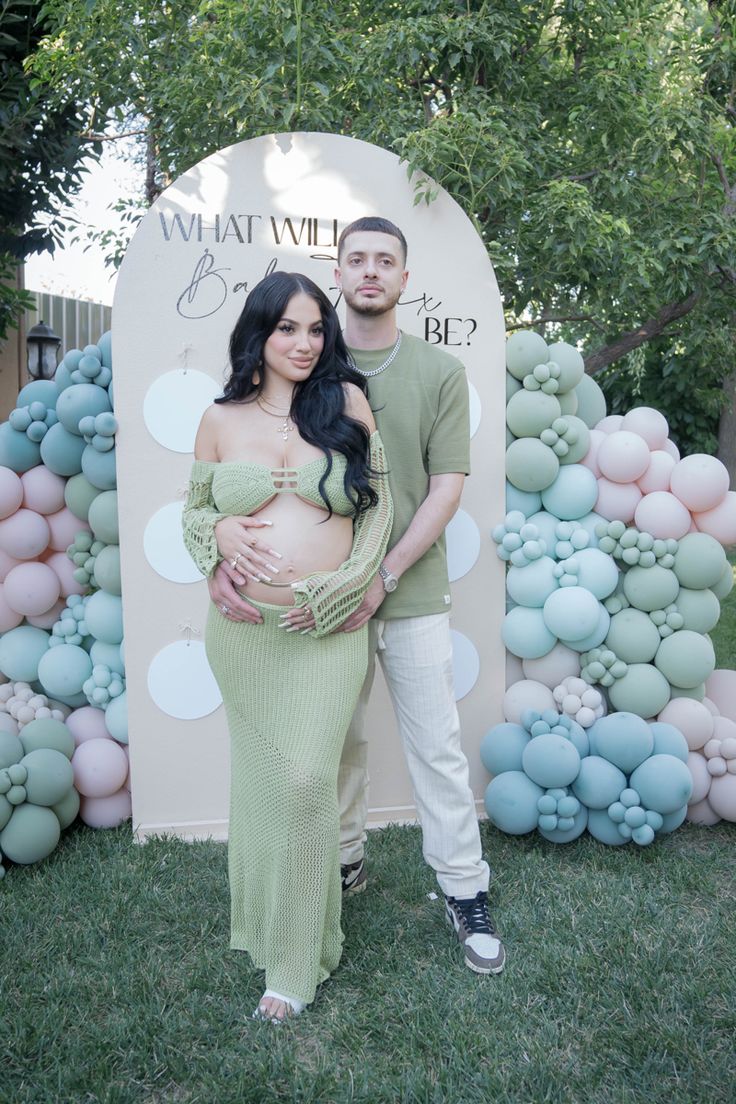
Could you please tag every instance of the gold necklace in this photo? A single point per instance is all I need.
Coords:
(286, 426)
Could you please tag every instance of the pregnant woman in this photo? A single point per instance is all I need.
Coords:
(291, 446)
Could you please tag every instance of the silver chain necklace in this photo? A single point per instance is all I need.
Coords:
(389, 360)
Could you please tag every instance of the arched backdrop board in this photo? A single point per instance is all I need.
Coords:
(279, 201)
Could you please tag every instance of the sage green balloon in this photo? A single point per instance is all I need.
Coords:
(643, 690)
(6, 811)
(724, 586)
(524, 350)
(579, 448)
(686, 658)
(79, 494)
(700, 609)
(11, 749)
(591, 401)
(103, 517)
(50, 776)
(650, 588)
(45, 732)
(528, 413)
(572, 365)
(67, 809)
(107, 569)
(699, 561)
(697, 693)
(512, 385)
(633, 636)
(568, 401)
(30, 835)
(530, 465)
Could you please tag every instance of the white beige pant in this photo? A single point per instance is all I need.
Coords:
(416, 657)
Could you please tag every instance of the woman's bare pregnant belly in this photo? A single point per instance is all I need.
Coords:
(308, 541)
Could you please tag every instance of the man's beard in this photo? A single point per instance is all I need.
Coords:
(369, 308)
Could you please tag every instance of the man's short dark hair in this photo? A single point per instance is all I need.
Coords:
(377, 226)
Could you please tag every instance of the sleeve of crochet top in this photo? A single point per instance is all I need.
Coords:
(200, 517)
(334, 595)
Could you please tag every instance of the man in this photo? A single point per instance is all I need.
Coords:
(419, 397)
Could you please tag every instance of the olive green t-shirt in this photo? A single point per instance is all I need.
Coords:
(420, 403)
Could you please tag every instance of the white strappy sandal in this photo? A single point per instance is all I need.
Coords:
(293, 1007)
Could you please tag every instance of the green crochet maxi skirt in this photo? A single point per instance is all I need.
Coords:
(289, 700)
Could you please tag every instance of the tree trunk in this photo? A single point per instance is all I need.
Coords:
(727, 429)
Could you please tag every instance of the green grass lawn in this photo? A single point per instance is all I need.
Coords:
(117, 985)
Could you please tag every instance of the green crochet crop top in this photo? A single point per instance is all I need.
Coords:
(243, 487)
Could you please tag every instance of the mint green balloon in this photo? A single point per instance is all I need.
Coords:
(79, 494)
(699, 561)
(697, 693)
(528, 413)
(11, 749)
(116, 718)
(568, 401)
(107, 569)
(722, 588)
(104, 617)
(21, 651)
(103, 517)
(524, 350)
(30, 835)
(591, 401)
(45, 732)
(572, 365)
(67, 809)
(63, 670)
(650, 588)
(50, 776)
(686, 658)
(643, 690)
(700, 609)
(633, 636)
(530, 465)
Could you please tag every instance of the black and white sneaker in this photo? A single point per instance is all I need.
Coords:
(354, 878)
(474, 928)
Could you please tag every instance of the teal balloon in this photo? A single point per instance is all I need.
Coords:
(643, 690)
(572, 365)
(528, 413)
(30, 835)
(699, 561)
(571, 613)
(63, 671)
(650, 588)
(573, 493)
(668, 740)
(525, 633)
(50, 776)
(602, 828)
(551, 761)
(591, 401)
(578, 737)
(722, 588)
(63, 375)
(673, 820)
(524, 351)
(663, 783)
(595, 638)
(108, 655)
(46, 732)
(67, 809)
(11, 749)
(511, 802)
(560, 835)
(43, 391)
(116, 718)
(104, 617)
(528, 502)
(624, 739)
(597, 572)
(700, 609)
(633, 636)
(530, 465)
(61, 451)
(6, 811)
(79, 494)
(686, 658)
(598, 783)
(546, 525)
(17, 451)
(533, 584)
(104, 344)
(103, 517)
(100, 467)
(21, 650)
(80, 401)
(502, 746)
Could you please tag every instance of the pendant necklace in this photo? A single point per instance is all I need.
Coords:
(286, 426)
(389, 359)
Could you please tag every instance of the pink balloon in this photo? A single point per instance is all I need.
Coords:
(610, 423)
(657, 475)
(662, 515)
(24, 535)
(126, 749)
(64, 569)
(722, 796)
(720, 522)
(43, 490)
(721, 690)
(32, 588)
(100, 767)
(10, 488)
(700, 482)
(670, 447)
(591, 457)
(649, 424)
(623, 456)
(9, 617)
(106, 812)
(6, 563)
(693, 718)
(617, 501)
(87, 723)
(64, 526)
(48, 619)
(696, 764)
(711, 706)
(702, 813)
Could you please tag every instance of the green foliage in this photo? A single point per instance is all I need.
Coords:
(590, 142)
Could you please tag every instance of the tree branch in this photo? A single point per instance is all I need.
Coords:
(112, 137)
(543, 318)
(654, 326)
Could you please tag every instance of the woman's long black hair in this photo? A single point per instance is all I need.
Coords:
(318, 403)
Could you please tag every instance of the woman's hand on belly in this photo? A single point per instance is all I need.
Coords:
(239, 545)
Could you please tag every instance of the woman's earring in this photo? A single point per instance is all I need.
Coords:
(256, 376)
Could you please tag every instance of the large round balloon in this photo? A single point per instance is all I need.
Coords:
(106, 812)
(62, 671)
(528, 586)
(623, 457)
(693, 719)
(647, 423)
(572, 494)
(46, 732)
(570, 362)
(21, 650)
(100, 767)
(686, 659)
(502, 746)
(617, 501)
(700, 482)
(31, 588)
(17, 452)
(663, 783)
(571, 613)
(79, 494)
(662, 515)
(530, 465)
(650, 588)
(50, 775)
(43, 490)
(11, 492)
(699, 561)
(633, 636)
(524, 350)
(599, 782)
(530, 412)
(657, 475)
(624, 739)
(511, 802)
(103, 517)
(591, 401)
(720, 522)
(30, 835)
(700, 609)
(643, 690)
(550, 760)
(104, 616)
(61, 451)
(24, 535)
(525, 633)
(78, 402)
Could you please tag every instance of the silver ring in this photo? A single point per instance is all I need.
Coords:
(225, 609)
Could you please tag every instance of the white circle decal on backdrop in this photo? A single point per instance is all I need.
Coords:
(163, 544)
(181, 682)
(463, 545)
(174, 405)
(475, 409)
(465, 664)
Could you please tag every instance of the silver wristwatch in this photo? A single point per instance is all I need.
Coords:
(390, 582)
